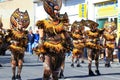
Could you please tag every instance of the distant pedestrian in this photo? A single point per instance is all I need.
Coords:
(119, 50)
(36, 39)
(30, 41)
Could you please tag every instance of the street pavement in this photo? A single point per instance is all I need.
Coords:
(33, 69)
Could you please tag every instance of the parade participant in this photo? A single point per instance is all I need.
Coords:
(3, 43)
(18, 39)
(1, 37)
(93, 45)
(110, 38)
(55, 41)
(77, 33)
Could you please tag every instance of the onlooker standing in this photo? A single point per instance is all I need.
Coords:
(119, 50)
(36, 39)
(30, 41)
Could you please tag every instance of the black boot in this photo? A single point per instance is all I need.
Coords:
(76, 60)
(78, 65)
(82, 61)
(72, 65)
(97, 72)
(91, 73)
(61, 75)
(13, 78)
(107, 65)
(18, 77)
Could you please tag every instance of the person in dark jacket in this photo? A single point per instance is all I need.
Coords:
(30, 41)
(119, 50)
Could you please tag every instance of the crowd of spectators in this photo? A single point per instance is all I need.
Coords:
(33, 40)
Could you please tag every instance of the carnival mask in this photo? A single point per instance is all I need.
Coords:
(52, 7)
(19, 19)
(91, 24)
(111, 26)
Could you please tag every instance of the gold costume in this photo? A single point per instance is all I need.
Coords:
(77, 34)
(110, 39)
(92, 40)
(55, 41)
(93, 45)
(17, 37)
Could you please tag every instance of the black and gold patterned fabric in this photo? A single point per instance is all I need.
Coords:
(17, 35)
(93, 35)
(56, 38)
(77, 33)
(19, 41)
(110, 34)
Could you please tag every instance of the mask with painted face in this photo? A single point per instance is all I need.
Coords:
(19, 19)
(52, 7)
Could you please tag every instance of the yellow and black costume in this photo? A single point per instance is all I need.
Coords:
(93, 45)
(17, 36)
(2, 34)
(110, 39)
(55, 41)
(77, 33)
(3, 41)
(2, 49)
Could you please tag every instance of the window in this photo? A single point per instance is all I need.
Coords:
(1, 0)
(4, 0)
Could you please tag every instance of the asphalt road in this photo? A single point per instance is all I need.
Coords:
(33, 69)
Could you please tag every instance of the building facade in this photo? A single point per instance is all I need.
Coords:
(7, 7)
(69, 6)
(97, 10)
(105, 10)
(36, 10)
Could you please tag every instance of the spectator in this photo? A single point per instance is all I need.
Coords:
(119, 50)
(36, 39)
(30, 41)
